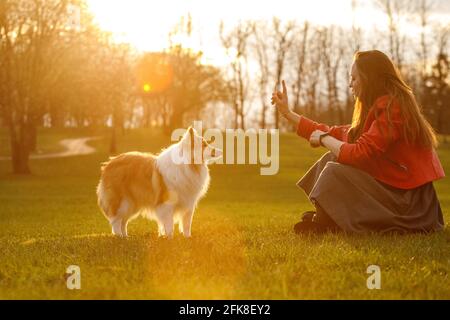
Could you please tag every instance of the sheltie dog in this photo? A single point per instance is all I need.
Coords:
(156, 186)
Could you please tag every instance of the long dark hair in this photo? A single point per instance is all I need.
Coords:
(379, 76)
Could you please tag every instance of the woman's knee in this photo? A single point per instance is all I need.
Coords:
(329, 156)
(333, 168)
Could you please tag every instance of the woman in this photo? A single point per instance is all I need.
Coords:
(379, 173)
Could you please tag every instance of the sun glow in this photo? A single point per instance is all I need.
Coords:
(147, 87)
(146, 23)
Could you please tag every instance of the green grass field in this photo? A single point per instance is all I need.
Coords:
(243, 246)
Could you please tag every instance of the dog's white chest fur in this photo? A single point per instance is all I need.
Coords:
(186, 183)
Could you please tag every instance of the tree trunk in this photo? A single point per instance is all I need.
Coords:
(19, 151)
(263, 116)
(236, 115)
(56, 116)
(242, 120)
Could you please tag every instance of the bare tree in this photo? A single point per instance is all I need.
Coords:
(396, 10)
(300, 47)
(439, 82)
(120, 87)
(313, 75)
(332, 54)
(283, 36)
(262, 50)
(31, 45)
(423, 8)
(442, 37)
(352, 43)
(235, 43)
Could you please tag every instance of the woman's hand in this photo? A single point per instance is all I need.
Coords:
(280, 101)
(314, 139)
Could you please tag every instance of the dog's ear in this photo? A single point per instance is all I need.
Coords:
(188, 132)
(189, 135)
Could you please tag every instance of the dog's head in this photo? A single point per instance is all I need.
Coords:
(196, 150)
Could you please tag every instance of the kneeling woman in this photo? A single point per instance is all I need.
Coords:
(379, 173)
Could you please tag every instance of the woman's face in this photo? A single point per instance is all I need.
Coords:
(355, 81)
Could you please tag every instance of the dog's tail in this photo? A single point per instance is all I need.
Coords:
(105, 200)
(101, 198)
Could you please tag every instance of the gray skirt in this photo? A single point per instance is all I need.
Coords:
(359, 203)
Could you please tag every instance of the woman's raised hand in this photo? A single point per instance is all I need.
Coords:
(280, 100)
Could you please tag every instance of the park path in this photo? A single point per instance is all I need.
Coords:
(74, 147)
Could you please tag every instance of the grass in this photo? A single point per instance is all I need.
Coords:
(242, 247)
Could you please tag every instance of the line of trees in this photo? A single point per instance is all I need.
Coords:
(316, 60)
(59, 69)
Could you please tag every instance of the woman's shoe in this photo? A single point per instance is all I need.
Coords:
(310, 227)
(308, 215)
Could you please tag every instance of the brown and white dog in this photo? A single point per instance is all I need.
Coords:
(165, 188)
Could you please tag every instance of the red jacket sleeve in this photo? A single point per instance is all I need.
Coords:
(374, 142)
(306, 126)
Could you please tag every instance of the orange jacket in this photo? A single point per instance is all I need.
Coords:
(391, 161)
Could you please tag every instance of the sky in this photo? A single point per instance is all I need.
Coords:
(146, 23)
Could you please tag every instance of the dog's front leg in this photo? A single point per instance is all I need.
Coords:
(164, 214)
(187, 222)
(116, 224)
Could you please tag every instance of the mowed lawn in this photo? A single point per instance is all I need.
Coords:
(243, 245)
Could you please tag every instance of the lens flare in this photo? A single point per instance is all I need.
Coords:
(147, 87)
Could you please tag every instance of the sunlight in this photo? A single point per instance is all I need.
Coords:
(154, 73)
(146, 24)
(147, 87)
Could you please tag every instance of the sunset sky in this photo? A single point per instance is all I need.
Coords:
(146, 23)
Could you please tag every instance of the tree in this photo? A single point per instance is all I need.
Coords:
(332, 51)
(31, 46)
(395, 11)
(436, 95)
(301, 46)
(235, 43)
(283, 37)
(177, 85)
(424, 7)
(352, 43)
(261, 48)
(313, 75)
(120, 86)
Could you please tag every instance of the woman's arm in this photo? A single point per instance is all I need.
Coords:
(329, 142)
(305, 126)
(292, 117)
(332, 144)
